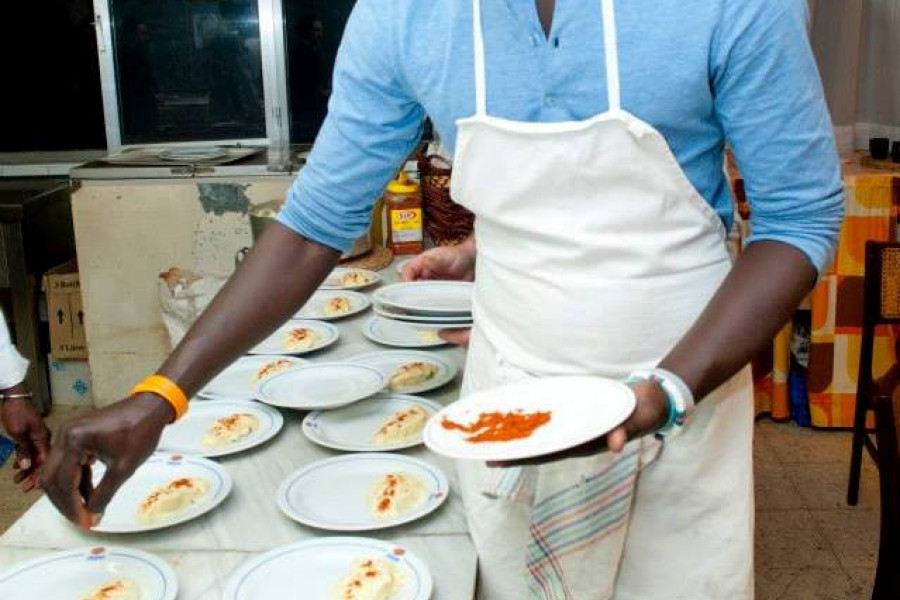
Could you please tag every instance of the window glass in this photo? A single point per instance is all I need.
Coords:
(51, 79)
(313, 30)
(188, 70)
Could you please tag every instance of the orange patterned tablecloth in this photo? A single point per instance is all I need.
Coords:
(873, 205)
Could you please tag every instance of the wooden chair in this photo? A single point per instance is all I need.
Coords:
(887, 419)
(881, 305)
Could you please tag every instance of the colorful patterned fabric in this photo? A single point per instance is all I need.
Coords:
(873, 206)
(771, 394)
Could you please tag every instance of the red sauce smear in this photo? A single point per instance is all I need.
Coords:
(500, 427)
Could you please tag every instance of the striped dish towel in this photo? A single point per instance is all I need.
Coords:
(580, 512)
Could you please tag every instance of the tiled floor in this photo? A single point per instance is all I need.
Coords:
(809, 544)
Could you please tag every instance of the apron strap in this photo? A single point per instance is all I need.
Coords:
(478, 37)
(611, 49)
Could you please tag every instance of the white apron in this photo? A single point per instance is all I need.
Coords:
(595, 255)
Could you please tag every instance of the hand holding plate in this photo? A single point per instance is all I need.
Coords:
(650, 413)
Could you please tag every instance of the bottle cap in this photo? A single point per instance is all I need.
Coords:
(402, 184)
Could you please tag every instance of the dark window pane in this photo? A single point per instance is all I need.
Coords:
(188, 70)
(50, 78)
(313, 29)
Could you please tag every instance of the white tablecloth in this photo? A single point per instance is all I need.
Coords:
(205, 551)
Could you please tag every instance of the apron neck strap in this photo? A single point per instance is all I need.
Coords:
(480, 81)
(611, 49)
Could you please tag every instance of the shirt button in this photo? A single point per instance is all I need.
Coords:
(550, 100)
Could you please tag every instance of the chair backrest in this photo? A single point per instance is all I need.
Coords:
(882, 283)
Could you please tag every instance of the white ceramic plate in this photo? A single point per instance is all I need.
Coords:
(433, 325)
(312, 569)
(433, 298)
(79, 572)
(582, 409)
(188, 153)
(388, 361)
(160, 469)
(275, 343)
(388, 314)
(333, 494)
(186, 435)
(352, 428)
(332, 283)
(322, 385)
(314, 308)
(400, 335)
(236, 382)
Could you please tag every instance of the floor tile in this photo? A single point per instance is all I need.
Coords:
(808, 584)
(824, 486)
(790, 539)
(799, 445)
(774, 489)
(852, 534)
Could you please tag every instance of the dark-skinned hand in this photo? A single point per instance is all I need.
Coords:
(23, 422)
(448, 263)
(121, 436)
(650, 413)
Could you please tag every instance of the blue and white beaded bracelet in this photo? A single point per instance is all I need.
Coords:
(681, 400)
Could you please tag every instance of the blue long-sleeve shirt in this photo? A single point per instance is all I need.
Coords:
(703, 72)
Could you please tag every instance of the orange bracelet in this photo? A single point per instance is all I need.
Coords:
(166, 389)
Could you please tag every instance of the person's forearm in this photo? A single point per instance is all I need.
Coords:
(758, 297)
(274, 281)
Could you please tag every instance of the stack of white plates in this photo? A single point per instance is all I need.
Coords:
(426, 304)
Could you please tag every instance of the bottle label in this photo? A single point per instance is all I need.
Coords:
(406, 225)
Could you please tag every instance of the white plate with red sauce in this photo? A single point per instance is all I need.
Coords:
(530, 418)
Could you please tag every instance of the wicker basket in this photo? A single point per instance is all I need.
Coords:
(446, 222)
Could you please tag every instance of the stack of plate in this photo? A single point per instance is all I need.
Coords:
(426, 304)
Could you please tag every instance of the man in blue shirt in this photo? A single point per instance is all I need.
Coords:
(589, 142)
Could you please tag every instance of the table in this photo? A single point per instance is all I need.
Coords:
(205, 551)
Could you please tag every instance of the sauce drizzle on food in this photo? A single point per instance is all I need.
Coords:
(500, 426)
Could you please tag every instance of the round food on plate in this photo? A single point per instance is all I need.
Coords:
(404, 425)
(221, 427)
(298, 336)
(92, 573)
(301, 338)
(369, 579)
(412, 374)
(375, 425)
(395, 362)
(336, 306)
(119, 589)
(396, 494)
(348, 493)
(230, 429)
(327, 568)
(344, 278)
(270, 368)
(171, 499)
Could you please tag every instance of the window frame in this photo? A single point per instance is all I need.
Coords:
(274, 76)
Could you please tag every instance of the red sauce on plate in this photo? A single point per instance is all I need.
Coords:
(500, 426)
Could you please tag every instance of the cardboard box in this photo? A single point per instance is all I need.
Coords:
(70, 382)
(65, 313)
